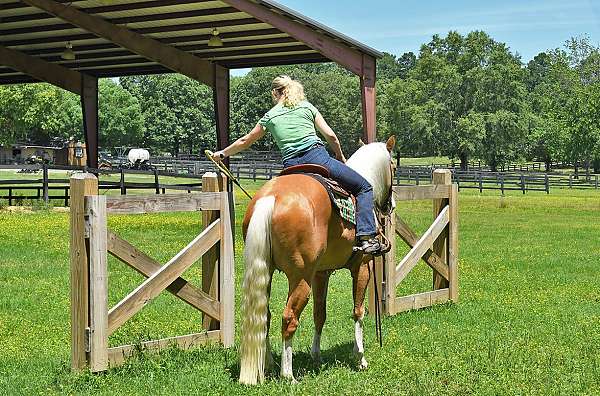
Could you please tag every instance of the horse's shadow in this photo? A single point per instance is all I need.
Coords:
(339, 355)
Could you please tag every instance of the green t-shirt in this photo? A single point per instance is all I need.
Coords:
(293, 128)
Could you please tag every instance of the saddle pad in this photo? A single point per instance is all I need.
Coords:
(341, 199)
(346, 208)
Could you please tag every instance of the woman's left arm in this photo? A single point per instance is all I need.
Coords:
(242, 143)
(330, 136)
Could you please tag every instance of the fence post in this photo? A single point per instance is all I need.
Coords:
(389, 272)
(596, 184)
(570, 181)
(81, 184)
(10, 196)
(453, 245)
(502, 183)
(227, 268)
(210, 260)
(480, 182)
(122, 183)
(45, 182)
(156, 184)
(523, 183)
(98, 283)
(440, 246)
(547, 182)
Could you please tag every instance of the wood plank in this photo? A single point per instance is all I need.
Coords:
(98, 356)
(163, 203)
(389, 271)
(423, 244)
(410, 237)
(117, 355)
(54, 74)
(453, 245)
(337, 51)
(168, 56)
(440, 244)
(81, 184)
(210, 260)
(159, 281)
(227, 274)
(421, 300)
(147, 266)
(416, 193)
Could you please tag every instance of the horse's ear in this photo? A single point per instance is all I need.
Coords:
(360, 142)
(391, 142)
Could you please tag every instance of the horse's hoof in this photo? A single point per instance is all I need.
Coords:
(362, 365)
(290, 378)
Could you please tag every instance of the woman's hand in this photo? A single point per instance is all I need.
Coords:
(218, 155)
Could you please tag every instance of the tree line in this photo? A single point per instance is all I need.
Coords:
(462, 96)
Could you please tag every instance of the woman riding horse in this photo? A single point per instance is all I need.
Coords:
(293, 123)
(291, 225)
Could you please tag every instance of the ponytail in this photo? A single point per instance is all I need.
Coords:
(290, 90)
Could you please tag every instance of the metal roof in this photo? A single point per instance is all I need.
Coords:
(183, 24)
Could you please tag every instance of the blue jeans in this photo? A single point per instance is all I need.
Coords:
(347, 178)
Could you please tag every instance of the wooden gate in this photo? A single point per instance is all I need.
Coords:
(437, 247)
(92, 322)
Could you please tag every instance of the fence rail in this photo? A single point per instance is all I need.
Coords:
(46, 188)
(40, 188)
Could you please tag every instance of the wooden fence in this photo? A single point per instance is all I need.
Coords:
(437, 247)
(92, 322)
(42, 188)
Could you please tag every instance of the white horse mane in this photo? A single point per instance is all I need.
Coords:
(372, 161)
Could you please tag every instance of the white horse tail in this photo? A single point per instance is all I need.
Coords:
(255, 299)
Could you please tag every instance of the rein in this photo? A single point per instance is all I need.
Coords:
(221, 166)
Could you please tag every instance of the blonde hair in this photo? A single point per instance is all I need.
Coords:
(290, 90)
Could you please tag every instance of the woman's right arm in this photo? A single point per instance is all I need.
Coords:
(330, 136)
(242, 143)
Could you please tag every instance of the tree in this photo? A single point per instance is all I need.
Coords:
(38, 113)
(457, 98)
(178, 112)
(120, 116)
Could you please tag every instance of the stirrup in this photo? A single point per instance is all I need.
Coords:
(371, 246)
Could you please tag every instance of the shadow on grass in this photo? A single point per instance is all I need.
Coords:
(338, 356)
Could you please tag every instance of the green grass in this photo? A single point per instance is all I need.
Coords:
(528, 320)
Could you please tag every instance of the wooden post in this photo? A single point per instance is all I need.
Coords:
(389, 272)
(156, 184)
(453, 245)
(440, 246)
(122, 183)
(210, 260)
(98, 281)
(45, 182)
(226, 273)
(82, 184)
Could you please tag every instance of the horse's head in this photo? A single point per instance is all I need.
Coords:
(374, 162)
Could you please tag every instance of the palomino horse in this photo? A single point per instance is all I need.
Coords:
(290, 225)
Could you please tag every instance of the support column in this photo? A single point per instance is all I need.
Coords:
(89, 106)
(367, 87)
(221, 103)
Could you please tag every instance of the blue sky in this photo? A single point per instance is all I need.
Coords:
(398, 26)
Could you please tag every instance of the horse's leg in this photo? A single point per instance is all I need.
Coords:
(297, 298)
(319, 287)
(360, 279)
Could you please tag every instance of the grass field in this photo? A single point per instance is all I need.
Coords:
(528, 320)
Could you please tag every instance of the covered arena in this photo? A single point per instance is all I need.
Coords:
(73, 43)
